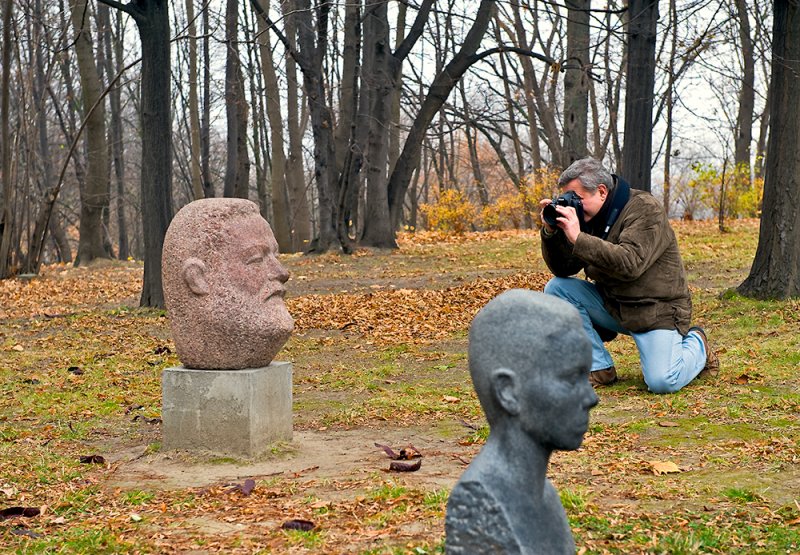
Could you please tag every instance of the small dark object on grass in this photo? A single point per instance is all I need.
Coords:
(12, 512)
(74, 370)
(397, 466)
(31, 381)
(146, 420)
(92, 459)
(162, 350)
(298, 524)
(25, 532)
(407, 453)
(246, 488)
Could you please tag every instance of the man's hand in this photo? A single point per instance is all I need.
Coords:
(542, 204)
(569, 222)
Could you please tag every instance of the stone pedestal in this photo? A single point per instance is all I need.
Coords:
(232, 412)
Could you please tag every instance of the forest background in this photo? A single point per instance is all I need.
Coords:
(376, 124)
(347, 122)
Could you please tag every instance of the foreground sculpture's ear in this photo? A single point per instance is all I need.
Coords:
(194, 274)
(505, 384)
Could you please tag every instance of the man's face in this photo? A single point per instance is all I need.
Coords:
(250, 264)
(555, 404)
(592, 202)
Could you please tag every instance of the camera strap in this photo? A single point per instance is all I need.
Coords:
(622, 192)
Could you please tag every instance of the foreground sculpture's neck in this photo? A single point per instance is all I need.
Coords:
(524, 460)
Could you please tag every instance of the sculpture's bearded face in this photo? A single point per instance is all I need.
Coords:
(224, 286)
(247, 282)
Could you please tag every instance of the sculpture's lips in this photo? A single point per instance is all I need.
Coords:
(274, 292)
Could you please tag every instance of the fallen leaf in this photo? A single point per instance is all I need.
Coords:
(18, 348)
(668, 424)
(136, 517)
(12, 512)
(742, 379)
(388, 450)
(663, 467)
(450, 399)
(397, 466)
(25, 532)
(246, 488)
(298, 524)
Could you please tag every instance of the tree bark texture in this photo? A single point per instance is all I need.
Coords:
(237, 169)
(640, 72)
(94, 193)
(299, 209)
(6, 221)
(312, 49)
(194, 107)
(576, 82)
(152, 21)
(775, 273)
(378, 230)
(744, 119)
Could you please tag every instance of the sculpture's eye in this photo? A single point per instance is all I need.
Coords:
(257, 259)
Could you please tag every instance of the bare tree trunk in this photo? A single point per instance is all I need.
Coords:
(194, 110)
(576, 82)
(377, 224)
(394, 124)
(509, 101)
(438, 92)
(348, 90)
(6, 221)
(94, 195)
(637, 150)
(776, 268)
(673, 15)
(117, 142)
(205, 122)
(152, 20)
(299, 210)
(312, 50)
(472, 147)
(531, 89)
(744, 120)
(237, 169)
(281, 207)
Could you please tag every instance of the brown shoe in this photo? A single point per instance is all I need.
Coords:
(600, 378)
(711, 369)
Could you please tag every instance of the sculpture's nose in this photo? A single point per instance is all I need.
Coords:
(277, 271)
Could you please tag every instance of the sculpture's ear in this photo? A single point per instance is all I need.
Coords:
(194, 274)
(505, 385)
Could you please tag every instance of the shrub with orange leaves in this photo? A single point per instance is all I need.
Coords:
(452, 212)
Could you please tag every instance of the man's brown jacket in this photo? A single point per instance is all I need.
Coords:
(637, 269)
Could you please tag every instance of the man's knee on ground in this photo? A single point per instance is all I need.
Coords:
(660, 385)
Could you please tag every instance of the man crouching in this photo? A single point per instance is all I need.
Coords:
(622, 240)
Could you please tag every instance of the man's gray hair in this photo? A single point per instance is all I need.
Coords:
(589, 172)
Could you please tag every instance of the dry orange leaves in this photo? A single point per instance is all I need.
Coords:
(406, 315)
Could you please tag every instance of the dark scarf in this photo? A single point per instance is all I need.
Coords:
(601, 223)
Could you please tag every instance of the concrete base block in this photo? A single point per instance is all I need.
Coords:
(232, 412)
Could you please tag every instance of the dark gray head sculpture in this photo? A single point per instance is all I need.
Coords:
(529, 359)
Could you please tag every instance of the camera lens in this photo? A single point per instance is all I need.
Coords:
(549, 215)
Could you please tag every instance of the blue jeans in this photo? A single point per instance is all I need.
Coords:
(669, 360)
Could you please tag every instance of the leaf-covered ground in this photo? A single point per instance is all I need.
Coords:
(379, 356)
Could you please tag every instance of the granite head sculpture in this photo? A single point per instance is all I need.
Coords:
(529, 360)
(224, 286)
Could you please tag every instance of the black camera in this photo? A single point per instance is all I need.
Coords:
(570, 198)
